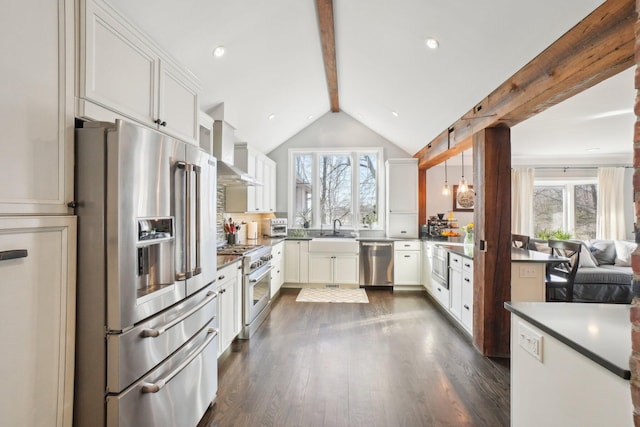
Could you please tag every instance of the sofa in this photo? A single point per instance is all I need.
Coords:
(604, 272)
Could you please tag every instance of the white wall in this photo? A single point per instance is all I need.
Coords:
(436, 202)
(330, 130)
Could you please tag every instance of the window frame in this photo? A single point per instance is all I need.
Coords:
(354, 153)
(568, 202)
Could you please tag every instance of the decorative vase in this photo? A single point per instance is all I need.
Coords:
(468, 238)
(306, 224)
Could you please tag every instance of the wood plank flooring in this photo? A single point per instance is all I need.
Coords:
(396, 361)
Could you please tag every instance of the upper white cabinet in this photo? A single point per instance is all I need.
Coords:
(122, 74)
(402, 198)
(252, 199)
(36, 100)
(37, 320)
(402, 185)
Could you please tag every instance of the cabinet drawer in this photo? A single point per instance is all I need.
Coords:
(406, 245)
(455, 261)
(467, 265)
(226, 273)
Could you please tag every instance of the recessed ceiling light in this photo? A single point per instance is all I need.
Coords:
(310, 116)
(394, 114)
(272, 116)
(432, 43)
(218, 51)
(592, 149)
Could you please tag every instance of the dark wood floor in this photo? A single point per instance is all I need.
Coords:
(396, 361)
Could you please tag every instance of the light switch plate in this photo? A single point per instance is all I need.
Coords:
(527, 271)
(530, 341)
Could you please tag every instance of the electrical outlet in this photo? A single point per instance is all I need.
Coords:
(528, 271)
(530, 341)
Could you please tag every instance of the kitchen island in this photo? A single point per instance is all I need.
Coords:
(570, 364)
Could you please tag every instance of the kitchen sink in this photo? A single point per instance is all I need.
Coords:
(333, 244)
(334, 236)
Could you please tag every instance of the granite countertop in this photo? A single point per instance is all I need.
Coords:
(464, 250)
(600, 332)
(225, 260)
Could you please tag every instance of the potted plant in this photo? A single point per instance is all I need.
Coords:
(304, 217)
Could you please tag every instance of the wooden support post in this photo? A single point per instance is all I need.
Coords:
(422, 197)
(492, 220)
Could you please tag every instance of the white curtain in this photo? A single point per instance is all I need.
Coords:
(611, 221)
(522, 201)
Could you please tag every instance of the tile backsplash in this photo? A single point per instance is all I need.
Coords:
(238, 217)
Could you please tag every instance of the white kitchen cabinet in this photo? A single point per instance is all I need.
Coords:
(402, 198)
(277, 274)
(338, 268)
(205, 135)
(296, 262)
(229, 292)
(467, 294)
(406, 263)
(37, 107)
(427, 257)
(252, 199)
(455, 285)
(123, 74)
(37, 327)
(402, 185)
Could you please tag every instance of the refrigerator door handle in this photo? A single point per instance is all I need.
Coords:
(197, 171)
(156, 332)
(185, 267)
(158, 385)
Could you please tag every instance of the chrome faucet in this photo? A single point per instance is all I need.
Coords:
(334, 225)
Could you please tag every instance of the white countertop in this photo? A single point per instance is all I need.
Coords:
(601, 332)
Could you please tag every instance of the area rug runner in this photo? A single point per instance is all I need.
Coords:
(332, 295)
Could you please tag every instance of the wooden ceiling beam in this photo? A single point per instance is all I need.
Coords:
(599, 47)
(328, 40)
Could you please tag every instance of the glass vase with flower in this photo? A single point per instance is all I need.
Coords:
(468, 229)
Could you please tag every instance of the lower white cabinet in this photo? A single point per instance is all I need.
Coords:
(455, 285)
(277, 274)
(296, 268)
(37, 320)
(407, 266)
(467, 294)
(341, 268)
(229, 294)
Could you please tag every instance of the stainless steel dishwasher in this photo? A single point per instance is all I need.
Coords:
(376, 263)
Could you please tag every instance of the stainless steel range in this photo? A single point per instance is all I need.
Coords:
(256, 284)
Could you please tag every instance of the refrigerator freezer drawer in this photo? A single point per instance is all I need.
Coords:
(135, 352)
(177, 393)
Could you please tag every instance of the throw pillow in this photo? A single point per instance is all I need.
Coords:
(623, 252)
(604, 251)
(586, 259)
(542, 247)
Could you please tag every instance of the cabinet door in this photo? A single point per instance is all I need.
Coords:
(402, 190)
(259, 189)
(467, 297)
(455, 287)
(320, 268)
(345, 269)
(117, 70)
(292, 261)
(406, 270)
(272, 186)
(178, 105)
(36, 99)
(404, 225)
(37, 324)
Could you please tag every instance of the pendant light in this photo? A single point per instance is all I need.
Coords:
(445, 187)
(462, 185)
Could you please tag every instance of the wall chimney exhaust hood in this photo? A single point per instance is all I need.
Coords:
(223, 140)
(231, 175)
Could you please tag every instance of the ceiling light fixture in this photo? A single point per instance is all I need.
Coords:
(445, 187)
(272, 116)
(593, 149)
(218, 51)
(432, 43)
(394, 113)
(462, 185)
(309, 117)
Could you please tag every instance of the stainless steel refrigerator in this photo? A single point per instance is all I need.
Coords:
(146, 352)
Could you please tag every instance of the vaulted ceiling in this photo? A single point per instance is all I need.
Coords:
(387, 77)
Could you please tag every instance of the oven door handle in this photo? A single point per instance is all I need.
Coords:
(158, 385)
(261, 276)
(156, 332)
